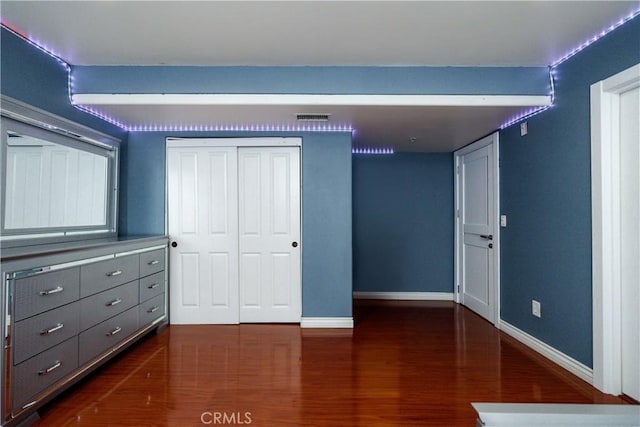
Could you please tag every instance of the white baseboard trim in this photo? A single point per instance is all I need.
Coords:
(570, 364)
(418, 296)
(326, 322)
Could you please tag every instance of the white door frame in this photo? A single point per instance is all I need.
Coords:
(606, 237)
(493, 140)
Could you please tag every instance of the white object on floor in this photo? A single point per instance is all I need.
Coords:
(556, 415)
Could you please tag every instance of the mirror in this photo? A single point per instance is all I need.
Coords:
(56, 183)
(53, 185)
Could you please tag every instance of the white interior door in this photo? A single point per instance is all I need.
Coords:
(477, 240)
(269, 234)
(202, 224)
(630, 242)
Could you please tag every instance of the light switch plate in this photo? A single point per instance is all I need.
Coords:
(524, 128)
(503, 220)
(535, 308)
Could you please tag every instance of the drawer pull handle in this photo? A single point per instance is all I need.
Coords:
(114, 273)
(114, 302)
(117, 330)
(153, 309)
(52, 330)
(155, 285)
(30, 404)
(154, 262)
(50, 368)
(52, 291)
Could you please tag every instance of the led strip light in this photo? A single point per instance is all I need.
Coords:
(366, 150)
(563, 59)
(289, 128)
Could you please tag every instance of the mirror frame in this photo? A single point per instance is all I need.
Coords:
(24, 119)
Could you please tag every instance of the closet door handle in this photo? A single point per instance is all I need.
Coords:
(52, 291)
(294, 244)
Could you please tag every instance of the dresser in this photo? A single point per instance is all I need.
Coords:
(71, 307)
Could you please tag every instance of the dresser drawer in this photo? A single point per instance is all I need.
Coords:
(103, 275)
(36, 374)
(107, 334)
(151, 309)
(151, 286)
(104, 305)
(38, 333)
(45, 291)
(151, 262)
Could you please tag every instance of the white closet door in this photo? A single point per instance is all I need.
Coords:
(202, 223)
(269, 234)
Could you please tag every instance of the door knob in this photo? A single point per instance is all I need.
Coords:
(174, 244)
(294, 244)
(490, 245)
(486, 237)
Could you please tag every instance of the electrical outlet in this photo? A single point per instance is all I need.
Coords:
(524, 128)
(535, 308)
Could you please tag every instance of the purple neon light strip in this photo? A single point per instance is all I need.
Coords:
(595, 38)
(365, 150)
(170, 128)
(276, 128)
(238, 128)
(564, 58)
(67, 67)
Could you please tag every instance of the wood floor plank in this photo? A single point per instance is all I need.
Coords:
(404, 364)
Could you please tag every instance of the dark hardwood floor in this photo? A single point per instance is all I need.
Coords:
(405, 363)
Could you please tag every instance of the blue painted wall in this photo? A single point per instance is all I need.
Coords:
(142, 184)
(326, 209)
(326, 225)
(403, 222)
(314, 80)
(546, 193)
(30, 76)
(36, 78)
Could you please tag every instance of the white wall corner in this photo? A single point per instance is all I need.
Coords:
(567, 362)
(410, 296)
(326, 322)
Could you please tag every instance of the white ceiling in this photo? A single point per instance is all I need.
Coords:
(324, 33)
